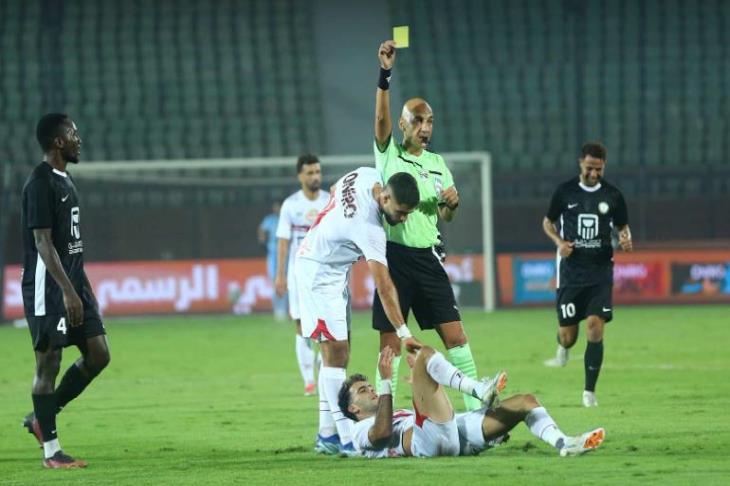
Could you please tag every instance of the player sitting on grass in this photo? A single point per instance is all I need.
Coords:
(433, 429)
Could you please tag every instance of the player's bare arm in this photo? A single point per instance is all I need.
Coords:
(624, 238)
(383, 123)
(565, 248)
(46, 250)
(282, 252)
(391, 305)
(382, 429)
(448, 202)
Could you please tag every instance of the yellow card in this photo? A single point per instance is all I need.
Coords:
(400, 36)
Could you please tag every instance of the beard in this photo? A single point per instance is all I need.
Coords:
(390, 221)
(314, 186)
(72, 158)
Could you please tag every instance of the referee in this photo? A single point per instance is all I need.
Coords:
(583, 213)
(414, 252)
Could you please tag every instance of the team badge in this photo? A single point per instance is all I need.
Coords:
(603, 207)
(438, 184)
(423, 173)
(311, 215)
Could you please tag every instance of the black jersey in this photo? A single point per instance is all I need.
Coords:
(50, 201)
(586, 216)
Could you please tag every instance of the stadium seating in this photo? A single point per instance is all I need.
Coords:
(530, 80)
(160, 79)
(527, 80)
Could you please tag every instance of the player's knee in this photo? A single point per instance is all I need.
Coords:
(529, 401)
(424, 354)
(47, 370)
(594, 328)
(102, 361)
(568, 340)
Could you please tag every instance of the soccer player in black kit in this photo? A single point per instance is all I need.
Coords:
(59, 303)
(583, 213)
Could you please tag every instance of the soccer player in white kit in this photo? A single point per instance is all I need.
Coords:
(297, 214)
(349, 227)
(432, 428)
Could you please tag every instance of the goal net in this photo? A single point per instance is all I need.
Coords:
(202, 210)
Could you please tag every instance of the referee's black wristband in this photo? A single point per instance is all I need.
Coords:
(384, 80)
(449, 206)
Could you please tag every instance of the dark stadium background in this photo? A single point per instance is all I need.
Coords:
(528, 81)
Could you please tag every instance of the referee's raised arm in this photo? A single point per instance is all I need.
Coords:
(383, 124)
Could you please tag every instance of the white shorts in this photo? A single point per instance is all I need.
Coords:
(323, 300)
(293, 294)
(432, 439)
(471, 436)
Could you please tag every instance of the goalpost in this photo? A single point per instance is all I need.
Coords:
(234, 180)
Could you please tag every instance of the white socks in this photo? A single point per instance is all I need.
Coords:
(326, 422)
(331, 380)
(446, 374)
(305, 358)
(542, 426)
(50, 448)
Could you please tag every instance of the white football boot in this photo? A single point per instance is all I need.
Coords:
(589, 399)
(575, 446)
(560, 359)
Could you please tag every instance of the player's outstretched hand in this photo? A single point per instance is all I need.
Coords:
(386, 54)
(280, 286)
(565, 249)
(385, 363)
(412, 344)
(624, 240)
(74, 308)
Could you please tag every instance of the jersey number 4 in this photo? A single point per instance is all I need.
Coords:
(61, 325)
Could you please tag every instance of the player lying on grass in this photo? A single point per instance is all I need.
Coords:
(432, 428)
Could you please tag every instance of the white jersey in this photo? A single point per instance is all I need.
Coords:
(402, 421)
(350, 226)
(296, 216)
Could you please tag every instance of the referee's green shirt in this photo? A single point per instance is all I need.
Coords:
(432, 175)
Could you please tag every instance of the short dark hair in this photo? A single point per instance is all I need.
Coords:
(405, 189)
(306, 159)
(48, 129)
(343, 396)
(595, 149)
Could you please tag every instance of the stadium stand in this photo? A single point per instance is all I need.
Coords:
(161, 79)
(529, 80)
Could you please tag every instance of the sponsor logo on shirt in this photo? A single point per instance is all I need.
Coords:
(348, 195)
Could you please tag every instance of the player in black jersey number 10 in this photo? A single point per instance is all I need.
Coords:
(584, 213)
(58, 300)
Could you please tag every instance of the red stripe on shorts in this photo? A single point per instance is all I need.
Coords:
(321, 329)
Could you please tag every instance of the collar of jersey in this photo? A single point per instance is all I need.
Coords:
(59, 172)
(402, 151)
(589, 189)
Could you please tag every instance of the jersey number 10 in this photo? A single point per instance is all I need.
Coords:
(568, 310)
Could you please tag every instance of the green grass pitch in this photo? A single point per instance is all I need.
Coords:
(218, 400)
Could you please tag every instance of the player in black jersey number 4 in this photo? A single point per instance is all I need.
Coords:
(583, 214)
(59, 303)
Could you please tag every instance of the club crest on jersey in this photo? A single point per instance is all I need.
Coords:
(438, 184)
(423, 173)
(587, 226)
(603, 207)
(311, 215)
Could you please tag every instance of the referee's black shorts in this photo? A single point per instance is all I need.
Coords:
(423, 285)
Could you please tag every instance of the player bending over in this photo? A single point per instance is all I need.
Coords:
(433, 429)
(348, 228)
